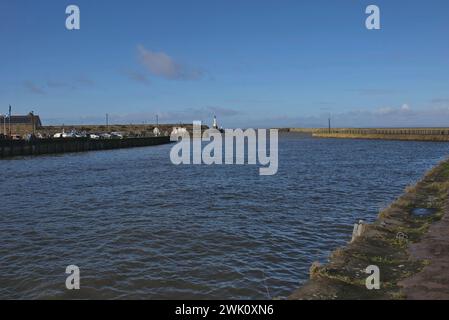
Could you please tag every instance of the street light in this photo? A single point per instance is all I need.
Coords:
(4, 124)
(33, 123)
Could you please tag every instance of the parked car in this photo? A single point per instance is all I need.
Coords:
(116, 135)
(63, 135)
(105, 136)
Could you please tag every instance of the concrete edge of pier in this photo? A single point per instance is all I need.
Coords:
(17, 148)
(411, 251)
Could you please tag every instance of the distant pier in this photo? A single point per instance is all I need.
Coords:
(12, 148)
(412, 134)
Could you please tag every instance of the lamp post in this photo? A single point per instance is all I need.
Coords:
(9, 120)
(33, 126)
(4, 124)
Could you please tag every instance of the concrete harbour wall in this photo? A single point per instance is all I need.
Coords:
(416, 134)
(12, 148)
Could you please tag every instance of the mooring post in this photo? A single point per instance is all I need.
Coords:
(358, 230)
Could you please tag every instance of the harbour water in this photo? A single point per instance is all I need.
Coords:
(140, 227)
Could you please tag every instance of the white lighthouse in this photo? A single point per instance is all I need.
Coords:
(215, 124)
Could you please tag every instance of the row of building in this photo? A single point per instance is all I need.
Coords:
(23, 126)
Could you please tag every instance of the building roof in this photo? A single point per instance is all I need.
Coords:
(28, 119)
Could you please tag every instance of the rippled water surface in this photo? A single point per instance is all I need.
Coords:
(140, 227)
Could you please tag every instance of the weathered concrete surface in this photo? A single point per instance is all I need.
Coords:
(412, 252)
(433, 281)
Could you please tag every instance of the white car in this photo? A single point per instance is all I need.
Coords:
(62, 135)
(116, 135)
(105, 136)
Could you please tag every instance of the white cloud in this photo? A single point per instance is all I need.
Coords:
(162, 65)
(405, 107)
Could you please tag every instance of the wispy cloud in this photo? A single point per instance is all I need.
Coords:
(57, 84)
(399, 116)
(199, 113)
(403, 116)
(404, 109)
(395, 116)
(440, 101)
(33, 88)
(376, 92)
(162, 65)
(84, 81)
(51, 84)
(136, 76)
(222, 112)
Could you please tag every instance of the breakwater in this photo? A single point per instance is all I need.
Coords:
(11, 148)
(408, 243)
(416, 134)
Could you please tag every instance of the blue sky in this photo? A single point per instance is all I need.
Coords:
(252, 63)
